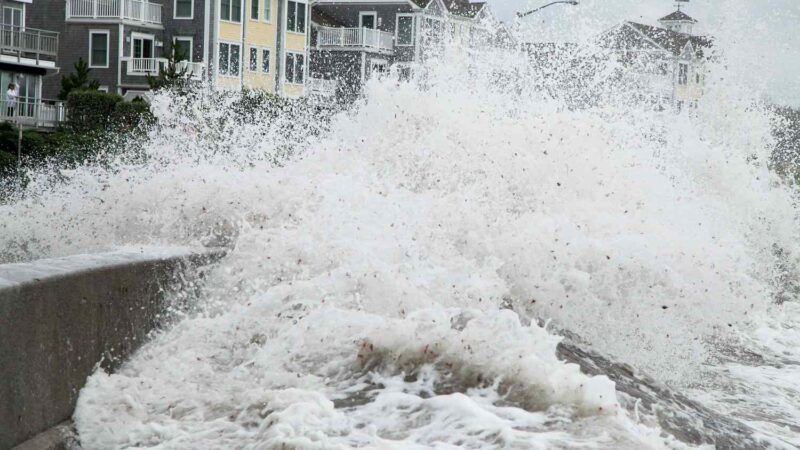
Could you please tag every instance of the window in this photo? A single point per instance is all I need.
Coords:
(267, 10)
(367, 19)
(12, 16)
(296, 17)
(184, 46)
(184, 9)
(294, 68)
(141, 46)
(254, 9)
(253, 59)
(98, 49)
(231, 10)
(229, 55)
(683, 73)
(405, 30)
(265, 60)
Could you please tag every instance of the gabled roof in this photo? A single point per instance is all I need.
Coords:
(421, 3)
(463, 8)
(671, 41)
(677, 16)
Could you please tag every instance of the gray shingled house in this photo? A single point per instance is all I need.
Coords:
(28, 57)
(352, 41)
(122, 40)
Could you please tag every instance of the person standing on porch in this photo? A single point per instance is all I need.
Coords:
(11, 99)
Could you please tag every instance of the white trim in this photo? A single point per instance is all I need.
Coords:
(230, 11)
(229, 43)
(175, 11)
(258, 12)
(143, 36)
(362, 14)
(250, 49)
(305, 18)
(108, 48)
(191, 45)
(269, 60)
(397, 29)
(305, 64)
(268, 19)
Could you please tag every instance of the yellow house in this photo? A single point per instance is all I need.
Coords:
(261, 44)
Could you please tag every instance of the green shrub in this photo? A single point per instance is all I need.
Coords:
(129, 115)
(91, 110)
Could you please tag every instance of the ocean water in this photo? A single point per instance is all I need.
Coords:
(403, 274)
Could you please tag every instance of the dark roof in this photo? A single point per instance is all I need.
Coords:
(421, 3)
(672, 40)
(463, 7)
(676, 16)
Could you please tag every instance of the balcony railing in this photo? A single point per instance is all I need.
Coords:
(134, 10)
(33, 112)
(28, 42)
(321, 87)
(145, 66)
(193, 69)
(355, 38)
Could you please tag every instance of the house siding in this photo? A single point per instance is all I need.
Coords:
(186, 27)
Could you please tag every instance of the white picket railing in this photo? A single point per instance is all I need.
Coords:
(33, 112)
(193, 69)
(136, 10)
(28, 41)
(145, 66)
(321, 87)
(355, 37)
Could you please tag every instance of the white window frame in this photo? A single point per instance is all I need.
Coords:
(267, 59)
(143, 36)
(397, 29)
(250, 13)
(191, 45)
(175, 11)
(242, 7)
(685, 82)
(305, 18)
(108, 48)
(374, 15)
(305, 64)
(268, 18)
(250, 49)
(230, 44)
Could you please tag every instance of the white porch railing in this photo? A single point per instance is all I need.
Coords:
(145, 66)
(321, 87)
(136, 10)
(193, 69)
(28, 41)
(33, 112)
(366, 38)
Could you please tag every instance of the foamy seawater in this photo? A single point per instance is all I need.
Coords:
(400, 277)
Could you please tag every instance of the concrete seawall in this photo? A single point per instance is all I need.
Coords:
(60, 318)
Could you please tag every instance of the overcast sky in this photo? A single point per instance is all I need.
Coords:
(761, 38)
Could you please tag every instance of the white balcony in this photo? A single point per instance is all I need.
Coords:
(31, 112)
(145, 66)
(321, 88)
(28, 43)
(194, 70)
(127, 10)
(366, 39)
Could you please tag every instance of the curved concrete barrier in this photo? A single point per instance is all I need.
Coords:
(60, 318)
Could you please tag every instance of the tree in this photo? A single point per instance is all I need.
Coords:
(78, 81)
(171, 76)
